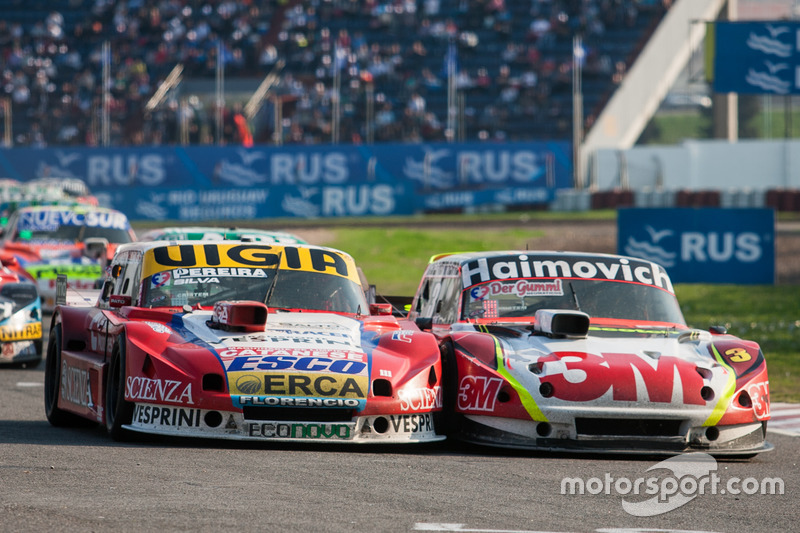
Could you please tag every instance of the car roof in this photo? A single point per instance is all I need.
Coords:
(78, 207)
(587, 265)
(276, 235)
(465, 257)
(144, 246)
(184, 229)
(309, 260)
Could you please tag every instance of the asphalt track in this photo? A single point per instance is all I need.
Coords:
(77, 479)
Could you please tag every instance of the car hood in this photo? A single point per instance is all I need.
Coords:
(53, 252)
(615, 368)
(43, 251)
(297, 355)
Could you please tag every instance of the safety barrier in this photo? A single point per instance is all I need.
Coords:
(787, 200)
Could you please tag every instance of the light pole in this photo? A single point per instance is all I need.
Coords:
(577, 111)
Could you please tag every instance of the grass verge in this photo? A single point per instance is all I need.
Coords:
(394, 258)
(766, 314)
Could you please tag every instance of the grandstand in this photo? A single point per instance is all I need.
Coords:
(511, 74)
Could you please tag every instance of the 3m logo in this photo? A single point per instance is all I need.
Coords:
(759, 395)
(583, 377)
(478, 393)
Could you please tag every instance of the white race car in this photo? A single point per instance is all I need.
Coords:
(586, 352)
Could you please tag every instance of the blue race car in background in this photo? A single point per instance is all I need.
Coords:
(20, 319)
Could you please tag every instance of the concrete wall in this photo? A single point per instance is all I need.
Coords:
(699, 165)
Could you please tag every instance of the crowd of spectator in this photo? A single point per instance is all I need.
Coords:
(347, 70)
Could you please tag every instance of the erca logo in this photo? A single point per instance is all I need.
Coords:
(695, 246)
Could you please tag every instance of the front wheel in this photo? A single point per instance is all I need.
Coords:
(118, 411)
(52, 384)
(450, 381)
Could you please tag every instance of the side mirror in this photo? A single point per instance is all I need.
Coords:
(380, 309)
(425, 323)
(106, 288)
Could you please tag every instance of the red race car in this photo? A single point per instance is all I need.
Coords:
(77, 240)
(241, 340)
(586, 352)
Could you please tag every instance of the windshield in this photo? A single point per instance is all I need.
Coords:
(15, 296)
(74, 234)
(597, 298)
(292, 290)
(63, 225)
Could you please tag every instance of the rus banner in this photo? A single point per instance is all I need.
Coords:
(708, 245)
(756, 57)
(197, 183)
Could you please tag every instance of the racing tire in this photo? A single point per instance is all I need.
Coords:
(118, 411)
(52, 385)
(452, 420)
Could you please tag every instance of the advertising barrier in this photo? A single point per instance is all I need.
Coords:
(197, 183)
(702, 245)
(760, 57)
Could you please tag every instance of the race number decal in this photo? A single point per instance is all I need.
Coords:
(738, 355)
